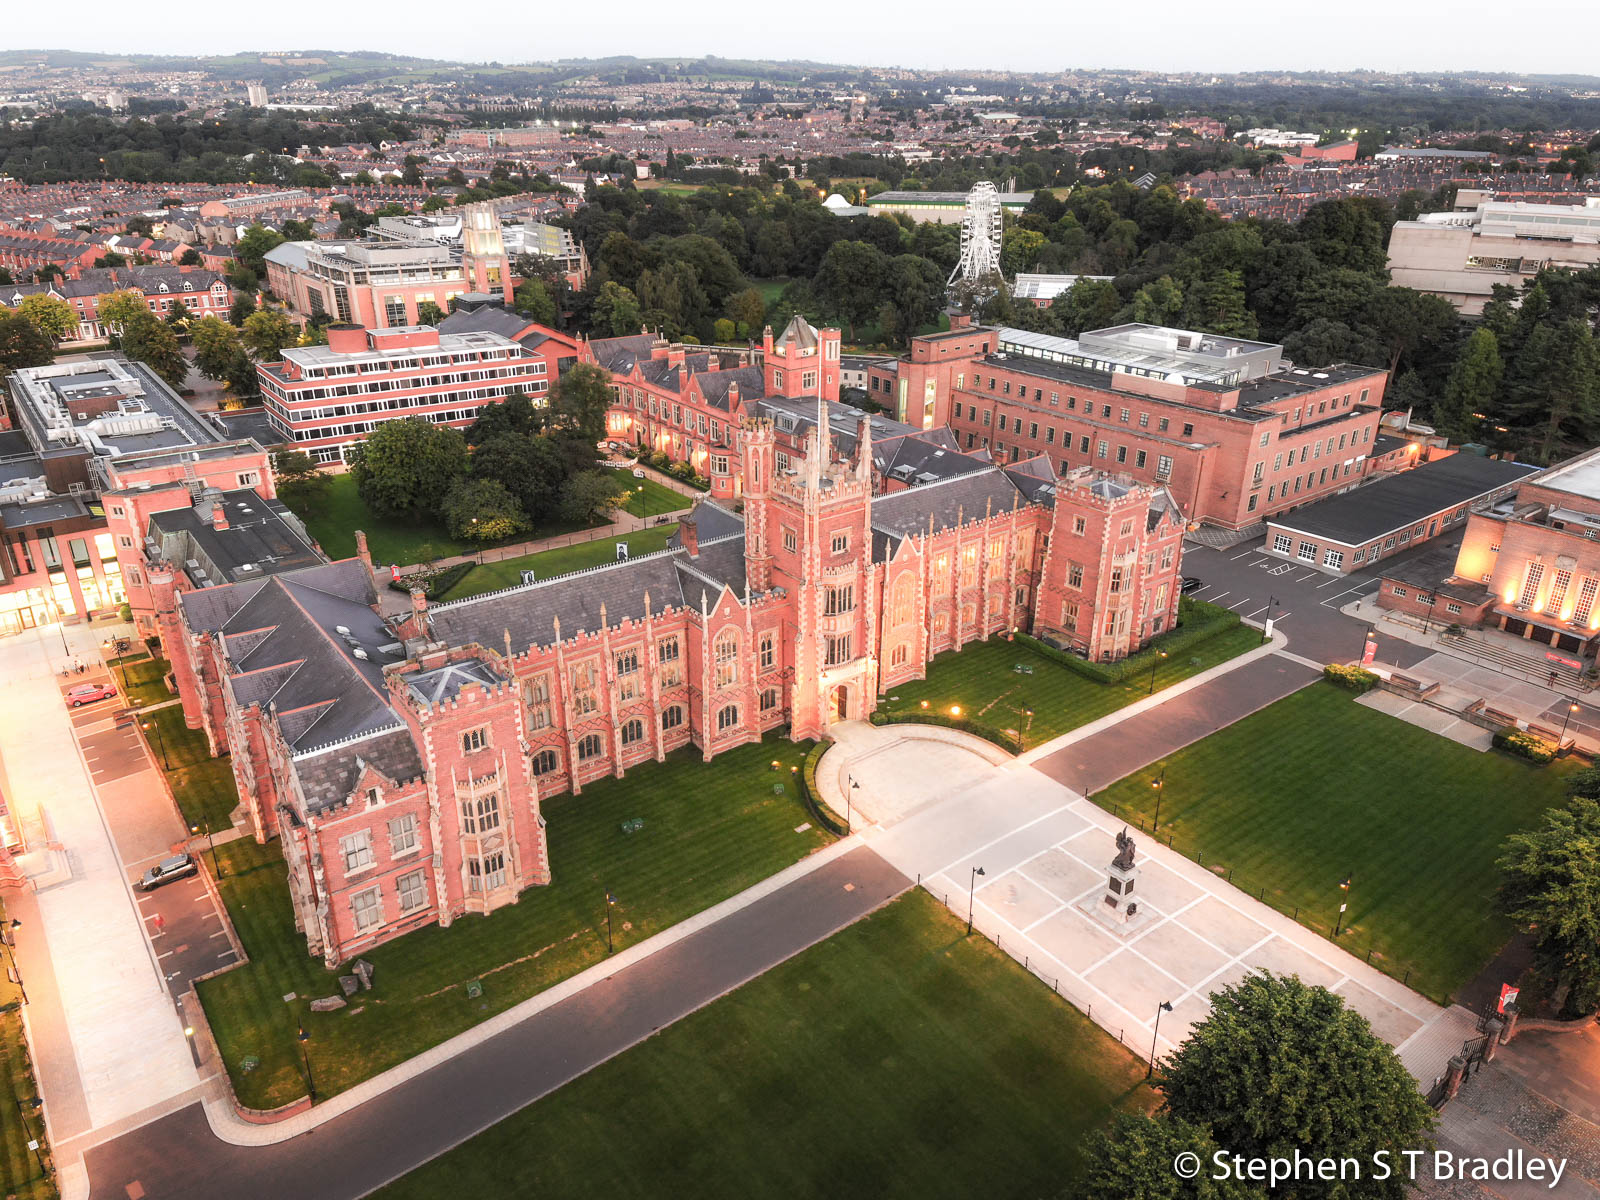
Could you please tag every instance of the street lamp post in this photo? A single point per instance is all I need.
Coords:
(1571, 708)
(16, 967)
(611, 902)
(1154, 663)
(211, 844)
(305, 1057)
(161, 743)
(1160, 786)
(1272, 602)
(1164, 1006)
(854, 787)
(972, 890)
(1344, 886)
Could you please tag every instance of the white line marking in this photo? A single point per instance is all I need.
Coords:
(1218, 596)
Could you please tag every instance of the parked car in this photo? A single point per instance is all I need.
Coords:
(165, 871)
(1191, 583)
(88, 693)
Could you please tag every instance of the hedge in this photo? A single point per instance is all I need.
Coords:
(820, 812)
(435, 585)
(1355, 679)
(1008, 742)
(1524, 745)
(1197, 622)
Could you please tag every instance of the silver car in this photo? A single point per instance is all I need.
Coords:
(165, 871)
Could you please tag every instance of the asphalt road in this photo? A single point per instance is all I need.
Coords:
(378, 1142)
(1303, 601)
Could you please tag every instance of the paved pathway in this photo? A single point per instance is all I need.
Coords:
(177, 1155)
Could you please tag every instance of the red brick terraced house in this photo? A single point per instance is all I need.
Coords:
(204, 293)
(404, 765)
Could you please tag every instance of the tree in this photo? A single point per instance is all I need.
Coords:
(22, 343)
(515, 414)
(266, 332)
(1551, 882)
(592, 496)
(300, 484)
(429, 313)
(530, 467)
(482, 510)
(1217, 305)
(406, 467)
(1280, 1066)
(1472, 389)
(533, 300)
(915, 286)
(190, 258)
(243, 305)
(1019, 249)
(156, 345)
(1133, 1161)
(252, 247)
(216, 346)
(50, 315)
(748, 312)
(1558, 397)
(616, 311)
(120, 309)
(111, 259)
(580, 400)
(849, 280)
(1159, 302)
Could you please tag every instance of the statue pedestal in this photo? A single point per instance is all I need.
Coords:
(1118, 908)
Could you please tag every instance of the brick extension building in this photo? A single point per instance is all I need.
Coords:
(1232, 429)
(403, 767)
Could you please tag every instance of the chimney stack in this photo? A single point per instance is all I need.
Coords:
(689, 535)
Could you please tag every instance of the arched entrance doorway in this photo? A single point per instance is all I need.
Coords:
(839, 709)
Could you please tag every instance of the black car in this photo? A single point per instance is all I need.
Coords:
(1191, 583)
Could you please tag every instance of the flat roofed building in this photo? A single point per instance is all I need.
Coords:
(1235, 430)
(946, 208)
(1392, 514)
(1461, 256)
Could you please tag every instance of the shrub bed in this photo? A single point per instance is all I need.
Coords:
(436, 583)
(1354, 679)
(820, 812)
(1008, 742)
(1524, 745)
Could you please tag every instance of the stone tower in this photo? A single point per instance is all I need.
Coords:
(810, 532)
(802, 361)
(483, 252)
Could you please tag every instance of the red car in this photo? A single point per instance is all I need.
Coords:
(88, 693)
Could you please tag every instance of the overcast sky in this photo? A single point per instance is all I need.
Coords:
(1169, 35)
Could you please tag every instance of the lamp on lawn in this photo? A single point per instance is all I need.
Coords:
(9, 943)
(311, 1083)
(972, 888)
(161, 742)
(1164, 1006)
(1571, 708)
(1344, 886)
(611, 902)
(1154, 663)
(1160, 786)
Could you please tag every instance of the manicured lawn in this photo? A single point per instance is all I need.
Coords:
(145, 679)
(203, 786)
(982, 680)
(562, 560)
(770, 289)
(896, 1059)
(20, 1172)
(647, 498)
(710, 830)
(335, 517)
(1316, 787)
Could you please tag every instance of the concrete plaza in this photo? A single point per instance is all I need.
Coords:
(1044, 850)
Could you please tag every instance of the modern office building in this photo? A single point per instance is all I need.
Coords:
(325, 399)
(1463, 255)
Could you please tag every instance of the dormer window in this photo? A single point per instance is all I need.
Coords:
(163, 288)
(187, 286)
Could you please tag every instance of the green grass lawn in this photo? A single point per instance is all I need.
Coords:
(203, 786)
(1316, 787)
(898, 1058)
(562, 560)
(770, 289)
(710, 830)
(21, 1175)
(981, 679)
(145, 681)
(334, 518)
(647, 498)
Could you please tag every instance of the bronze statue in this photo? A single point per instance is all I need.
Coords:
(1124, 858)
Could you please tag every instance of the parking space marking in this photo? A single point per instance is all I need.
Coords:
(1241, 554)
(1218, 597)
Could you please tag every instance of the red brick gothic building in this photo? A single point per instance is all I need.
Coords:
(403, 767)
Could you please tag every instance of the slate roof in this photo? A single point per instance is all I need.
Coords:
(712, 522)
(1398, 501)
(284, 649)
(488, 319)
(620, 353)
(963, 498)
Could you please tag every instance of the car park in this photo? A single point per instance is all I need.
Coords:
(177, 867)
(88, 693)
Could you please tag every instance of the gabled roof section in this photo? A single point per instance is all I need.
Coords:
(963, 498)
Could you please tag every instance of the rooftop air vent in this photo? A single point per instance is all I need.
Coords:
(342, 630)
(359, 653)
